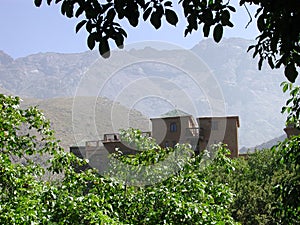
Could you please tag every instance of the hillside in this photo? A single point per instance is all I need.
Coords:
(74, 127)
(155, 81)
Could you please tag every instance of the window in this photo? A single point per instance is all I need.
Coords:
(173, 127)
(214, 125)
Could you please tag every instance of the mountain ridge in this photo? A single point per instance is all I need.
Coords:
(253, 95)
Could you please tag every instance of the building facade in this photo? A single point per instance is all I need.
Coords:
(219, 129)
(169, 129)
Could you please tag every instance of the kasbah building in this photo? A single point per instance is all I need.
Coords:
(169, 129)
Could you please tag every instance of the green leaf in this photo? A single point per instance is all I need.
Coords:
(231, 8)
(208, 17)
(111, 15)
(250, 47)
(91, 41)
(89, 26)
(104, 48)
(37, 3)
(119, 40)
(261, 23)
(171, 17)
(206, 29)
(147, 13)
(218, 33)
(270, 61)
(79, 11)
(156, 20)
(122, 31)
(168, 3)
(133, 19)
(63, 7)
(260, 63)
(230, 24)
(80, 25)
(290, 72)
(285, 86)
(225, 16)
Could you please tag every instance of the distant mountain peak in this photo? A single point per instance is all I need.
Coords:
(5, 59)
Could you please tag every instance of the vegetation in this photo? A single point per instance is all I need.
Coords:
(264, 189)
(277, 22)
(30, 197)
(156, 186)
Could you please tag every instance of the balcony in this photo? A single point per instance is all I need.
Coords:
(115, 137)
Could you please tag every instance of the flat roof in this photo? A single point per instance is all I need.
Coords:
(221, 117)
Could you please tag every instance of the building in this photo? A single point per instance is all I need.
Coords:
(219, 129)
(173, 127)
(111, 142)
(169, 129)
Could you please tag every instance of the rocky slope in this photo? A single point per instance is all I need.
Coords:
(74, 123)
(155, 81)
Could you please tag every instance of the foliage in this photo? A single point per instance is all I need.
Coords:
(183, 196)
(30, 197)
(205, 189)
(292, 107)
(277, 21)
(27, 196)
(278, 42)
(287, 211)
(153, 164)
(264, 185)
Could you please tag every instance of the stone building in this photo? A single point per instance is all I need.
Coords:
(169, 129)
(219, 129)
(173, 127)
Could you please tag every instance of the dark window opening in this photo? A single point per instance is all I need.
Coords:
(173, 127)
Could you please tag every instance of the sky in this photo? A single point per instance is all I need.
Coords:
(26, 29)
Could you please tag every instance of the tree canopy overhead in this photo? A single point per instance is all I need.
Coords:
(277, 21)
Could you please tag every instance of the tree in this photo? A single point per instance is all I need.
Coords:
(278, 23)
(292, 107)
(27, 196)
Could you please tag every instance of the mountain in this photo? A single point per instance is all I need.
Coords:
(74, 123)
(209, 79)
(44, 75)
(266, 145)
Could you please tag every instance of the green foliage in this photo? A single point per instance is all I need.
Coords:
(27, 196)
(162, 186)
(173, 192)
(265, 184)
(288, 188)
(278, 42)
(292, 107)
(277, 21)
(36, 192)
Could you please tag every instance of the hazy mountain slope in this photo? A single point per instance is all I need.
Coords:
(153, 87)
(44, 75)
(265, 145)
(74, 127)
(254, 95)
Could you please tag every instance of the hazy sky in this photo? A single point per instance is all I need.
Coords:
(26, 30)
